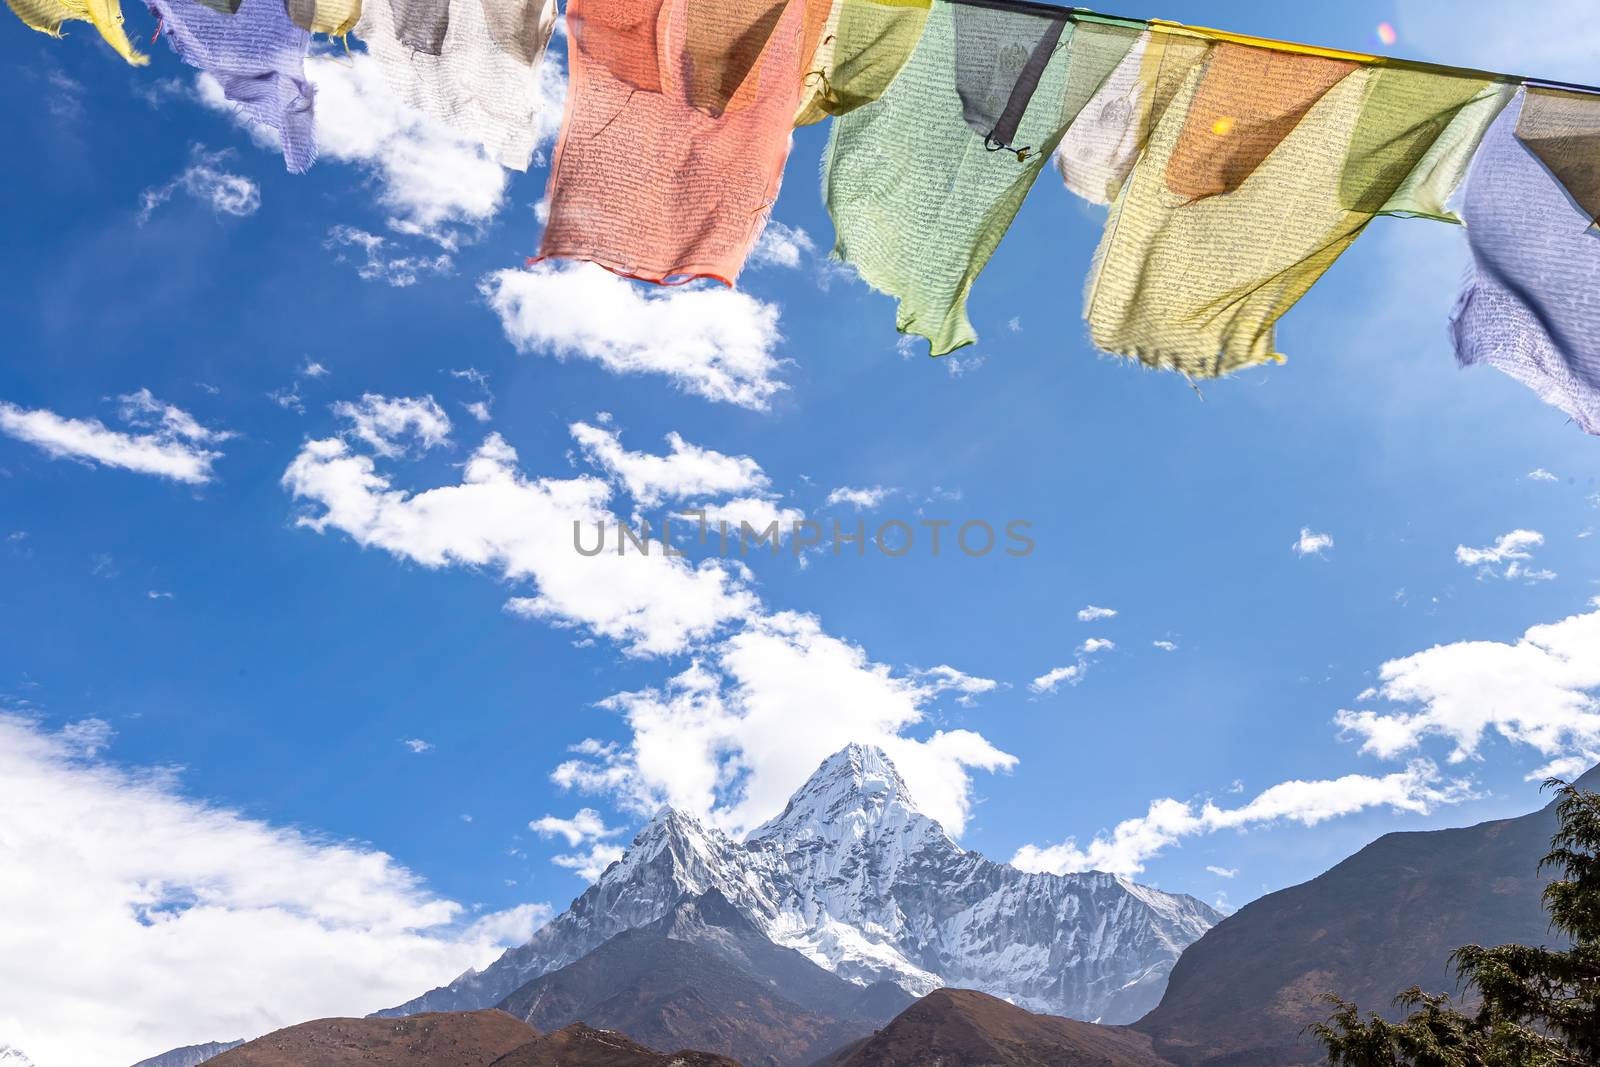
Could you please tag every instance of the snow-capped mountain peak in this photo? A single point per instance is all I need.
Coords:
(854, 876)
(855, 794)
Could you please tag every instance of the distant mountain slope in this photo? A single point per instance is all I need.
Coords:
(451, 1039)
(853, 875)
(190, 1055)
(583, 1046)
(965, 1028)
(1385, 919)
(703, 977)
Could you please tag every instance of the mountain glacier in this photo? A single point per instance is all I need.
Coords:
(853, 875)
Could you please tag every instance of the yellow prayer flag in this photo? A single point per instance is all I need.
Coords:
(46, 16)
(1267, 164)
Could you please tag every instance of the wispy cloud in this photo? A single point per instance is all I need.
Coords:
(379, 263)
(1311, 543)
(1513, 549)
(862, 499)
(781, 246)
(164, 440)
(204, 180)
(1072, 673)
(1133, 842)
(387, 424)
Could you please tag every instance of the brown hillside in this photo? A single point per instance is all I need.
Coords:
(437, 1039)
(583, 1046)
(965, 1028)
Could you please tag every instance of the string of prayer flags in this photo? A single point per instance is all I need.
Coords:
(923, 182)
(864, 45)
(676, 131)
(471, 64)
(257, 55)
(1236, 169)
(1531, 304)
(1269, 162)
(46, 16)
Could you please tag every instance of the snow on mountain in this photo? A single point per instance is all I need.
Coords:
(852, 874)
(13, 1057)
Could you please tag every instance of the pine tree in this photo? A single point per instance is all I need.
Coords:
(1538, 1007)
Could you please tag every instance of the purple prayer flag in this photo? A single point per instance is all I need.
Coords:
(1531, 306)
(258, 55)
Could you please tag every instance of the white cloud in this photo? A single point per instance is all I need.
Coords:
(385, 423)
(522, 528)
(1095, 614)
(1312, 544)
(861, 499)
(1223, 872)
(1542, 475)
(417, 745)
(714, 342)
(120, 890)
(169, 447)
(312, 369)
(1073, 673)
(1165, 646)
(289, 399)
(205, 180)
(781, 246)
(397, 270)
(478, 409)
(432, 182)
(584, 828)
(1539, 691)
(945, 678)
(587, 825)
(86, 738)
(686, 471)
(1132, 842)
(767, 697)
(590, 864)
(1512, 549)
(1047, 682)
(759, 513)
(730, 738)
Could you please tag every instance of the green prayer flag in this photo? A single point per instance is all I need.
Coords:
(923, 182)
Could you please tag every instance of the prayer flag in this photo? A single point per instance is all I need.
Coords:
(471, 64)
(676, 131)
(923, 182)
(258, 57)
(46, 16)
(1531, 304)
(864, 44)
(1265, 166)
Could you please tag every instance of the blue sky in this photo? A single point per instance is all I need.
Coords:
(275, 654)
